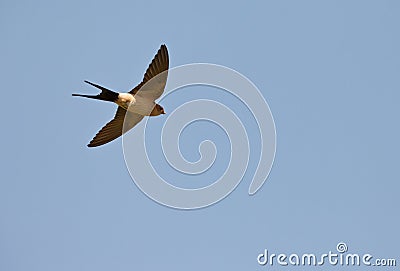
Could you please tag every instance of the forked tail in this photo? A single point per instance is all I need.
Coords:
(105, 95)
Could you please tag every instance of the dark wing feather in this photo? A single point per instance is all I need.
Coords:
(158, 66)
(114, 128)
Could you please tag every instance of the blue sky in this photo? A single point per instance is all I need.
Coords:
(328, 69)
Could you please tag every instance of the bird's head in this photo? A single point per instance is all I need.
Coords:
(157, 110)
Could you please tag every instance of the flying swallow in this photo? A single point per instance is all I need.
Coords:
(135, 104)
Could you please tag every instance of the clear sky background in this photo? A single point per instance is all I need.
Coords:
(328, 69)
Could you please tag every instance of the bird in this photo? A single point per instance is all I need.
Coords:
(135, 104)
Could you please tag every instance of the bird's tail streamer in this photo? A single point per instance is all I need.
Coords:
(143, 169)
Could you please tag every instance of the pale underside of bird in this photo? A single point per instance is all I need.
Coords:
(134, 105)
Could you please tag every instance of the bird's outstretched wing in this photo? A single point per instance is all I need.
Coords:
(153, 89)
(115, 128)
